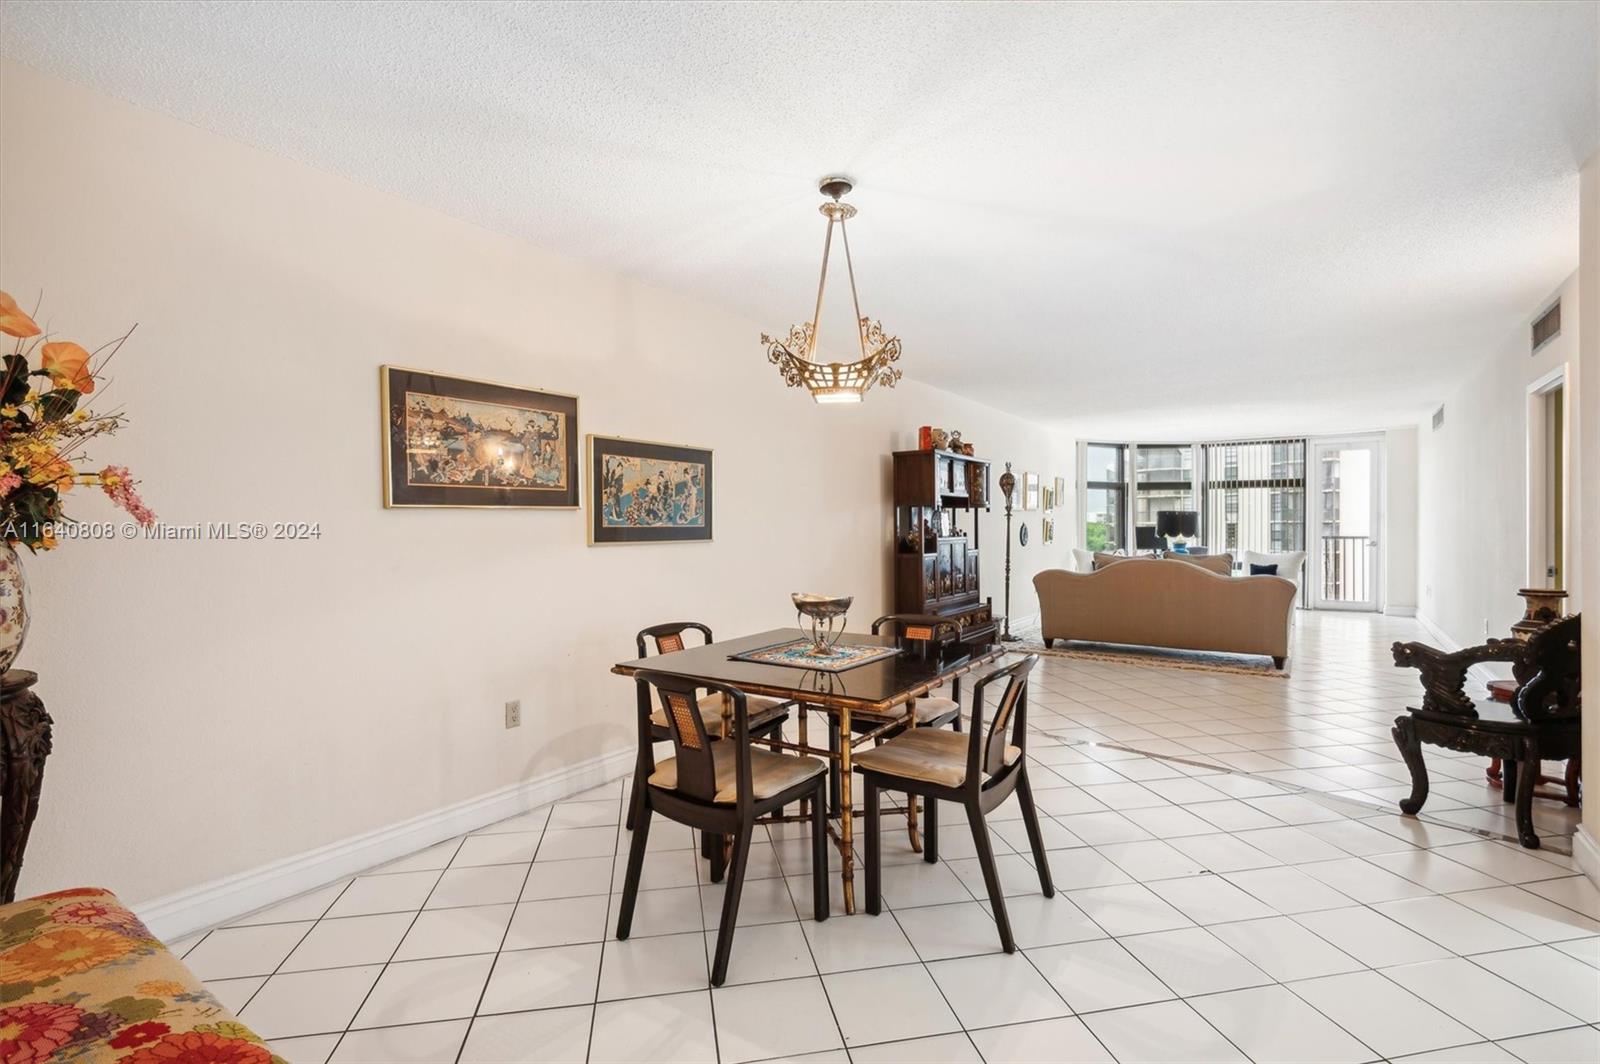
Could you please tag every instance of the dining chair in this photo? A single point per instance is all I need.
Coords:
(718, 788)
(978, 771)
(921, 633)
(767, 715)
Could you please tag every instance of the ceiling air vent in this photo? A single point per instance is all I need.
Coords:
(1548, 327)
(1438, 419)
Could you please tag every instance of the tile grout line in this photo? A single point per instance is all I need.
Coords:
(285, 960)
(419, 910)
(500, 950)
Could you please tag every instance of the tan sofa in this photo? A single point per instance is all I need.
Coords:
(1168, 603)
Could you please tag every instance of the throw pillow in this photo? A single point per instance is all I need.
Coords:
(1263, 570)
(1221, 564)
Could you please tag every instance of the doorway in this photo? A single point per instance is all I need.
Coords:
(1547, 482)
(1346, 516)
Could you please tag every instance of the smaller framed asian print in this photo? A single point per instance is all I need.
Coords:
(1030, 491)
(1061, 490)
(643, 492)
(452, 441)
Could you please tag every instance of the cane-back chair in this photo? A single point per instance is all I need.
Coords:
(718, 787)
(767, 715)
(977, 771)
(915, 633)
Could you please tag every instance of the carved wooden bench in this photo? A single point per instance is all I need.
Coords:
(1541, 722)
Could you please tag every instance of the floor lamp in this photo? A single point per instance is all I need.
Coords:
(1008, 484)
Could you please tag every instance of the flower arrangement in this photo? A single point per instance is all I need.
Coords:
(43, 431)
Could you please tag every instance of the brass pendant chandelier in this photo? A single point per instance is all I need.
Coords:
(795, 356)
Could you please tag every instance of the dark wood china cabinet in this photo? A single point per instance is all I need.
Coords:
(937, 498)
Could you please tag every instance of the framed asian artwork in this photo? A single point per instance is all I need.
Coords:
(1030, 491)
(1061, 490)
(643, 492)
(453, 441)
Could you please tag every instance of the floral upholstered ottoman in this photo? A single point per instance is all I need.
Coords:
(82, 980)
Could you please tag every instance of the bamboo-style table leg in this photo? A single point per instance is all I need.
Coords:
(805, 711)
(847, 857)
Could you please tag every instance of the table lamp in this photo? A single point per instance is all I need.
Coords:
(1177, 527)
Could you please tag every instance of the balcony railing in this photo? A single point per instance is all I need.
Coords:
(1346, 569)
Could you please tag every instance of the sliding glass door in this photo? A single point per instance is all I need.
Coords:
(1347, 516)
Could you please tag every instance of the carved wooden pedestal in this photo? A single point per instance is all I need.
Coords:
(24, 745)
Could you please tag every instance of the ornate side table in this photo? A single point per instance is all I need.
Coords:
(24, 744)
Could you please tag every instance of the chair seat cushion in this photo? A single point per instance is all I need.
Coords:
(933, 708)
(770, 773)
(85, 981)
(762, 711)
(930, 755)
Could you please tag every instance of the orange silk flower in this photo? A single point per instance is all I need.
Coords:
(13, 320)
(68, 365)
(49, 470)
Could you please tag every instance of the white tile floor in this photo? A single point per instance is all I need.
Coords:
(1249, 893)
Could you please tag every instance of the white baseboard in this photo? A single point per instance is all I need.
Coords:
(209, 904)
(1587, 853)
(1437, 634)
(1400, 611)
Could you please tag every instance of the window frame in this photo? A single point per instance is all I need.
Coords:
(1117, 491)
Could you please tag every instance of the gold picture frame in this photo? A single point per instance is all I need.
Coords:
(686, 479)
(531, 416)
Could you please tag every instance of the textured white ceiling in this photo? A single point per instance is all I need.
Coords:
(1142, 219)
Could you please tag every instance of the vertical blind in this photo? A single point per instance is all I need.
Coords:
(1253, 495)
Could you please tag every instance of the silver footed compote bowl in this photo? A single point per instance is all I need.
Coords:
(826, 614)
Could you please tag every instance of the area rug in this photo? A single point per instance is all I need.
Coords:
(1194, 660)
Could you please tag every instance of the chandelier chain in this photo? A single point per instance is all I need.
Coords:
(850, 268)
(822, 285)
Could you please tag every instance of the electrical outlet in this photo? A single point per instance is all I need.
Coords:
(514, 713)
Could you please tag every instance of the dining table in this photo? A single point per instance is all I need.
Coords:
(878, 694)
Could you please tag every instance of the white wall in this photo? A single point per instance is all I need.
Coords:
(1472, 476)
(1587, 846)
(1400, 521)
(221, 705)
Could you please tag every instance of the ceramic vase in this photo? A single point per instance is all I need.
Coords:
(13, 606)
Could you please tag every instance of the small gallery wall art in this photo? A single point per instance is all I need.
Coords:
(453, 441)
(642, 492)
(1030, 491)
